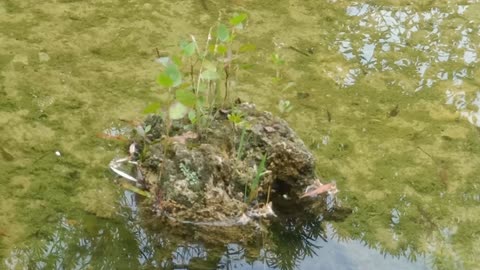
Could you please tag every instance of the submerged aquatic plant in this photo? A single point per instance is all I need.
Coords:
(284, 106)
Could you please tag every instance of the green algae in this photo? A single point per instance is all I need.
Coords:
(101, 68)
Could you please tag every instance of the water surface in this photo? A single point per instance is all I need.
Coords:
(386, 95)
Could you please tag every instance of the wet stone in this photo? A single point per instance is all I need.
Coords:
(201, 176)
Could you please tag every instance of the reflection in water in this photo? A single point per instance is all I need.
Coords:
(423, 40)
(459, 100)
(290, 241)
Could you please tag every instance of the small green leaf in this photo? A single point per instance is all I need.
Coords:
(238, 19)
(148, 128)
(186, 97)
(177, 111)
(235, 118)
(222, 32)
(174, 74)
(177, 60)
(221, 49)
(188, 49)
(284, 106)
(277, 59)
(192, 116)
(209, 75)
(164, 80)
(152, 108)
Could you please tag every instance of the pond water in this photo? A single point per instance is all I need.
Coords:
(387, 95)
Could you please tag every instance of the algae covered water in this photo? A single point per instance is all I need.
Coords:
(385, 94)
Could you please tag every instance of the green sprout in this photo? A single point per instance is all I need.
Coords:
(284, 106)
(196, 77)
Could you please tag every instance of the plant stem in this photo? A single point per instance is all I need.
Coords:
(202, 57)
(240, 145)
(256, 182)
(268, 194)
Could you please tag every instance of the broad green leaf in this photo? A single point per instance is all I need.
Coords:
(222, 32)
(188, 49)
(209, 75)
(192, 116)
(152, 108)
(238, 19)
(221, 49)
(148, 128)
(177, 60)
(164, 80)
(174, 74)
(177, 111)
(186, 97)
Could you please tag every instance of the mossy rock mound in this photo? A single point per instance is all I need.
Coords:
(201, 176)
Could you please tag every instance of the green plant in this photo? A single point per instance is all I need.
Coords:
(192, 177)
(278, 62)
(237, 120)
(256, 181)
(284, 106)
(198, 80)
(241, 144)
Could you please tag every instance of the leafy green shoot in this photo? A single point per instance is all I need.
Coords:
(238, 20)
(256, 182)
(235, 118)
(152, 108)
(284, 106)
(197, 78)
(278, 61)
(241, 145)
